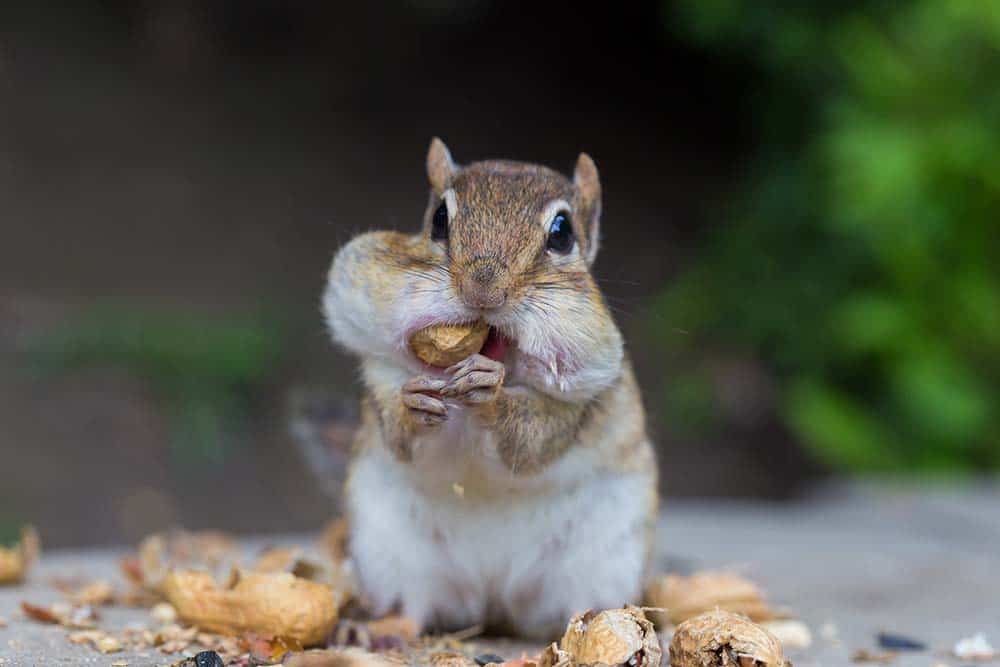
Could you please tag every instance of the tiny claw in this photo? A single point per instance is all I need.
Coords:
(454, 368)
(424, 383)
(424, 403)
(477, 396)
(430, 419)
(473, 380)
(476, 362)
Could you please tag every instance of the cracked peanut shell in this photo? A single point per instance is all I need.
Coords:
(612, 637)
(724, 639)
(446, 344)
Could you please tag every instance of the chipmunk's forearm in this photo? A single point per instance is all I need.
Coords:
(532, 429)
(394, 422)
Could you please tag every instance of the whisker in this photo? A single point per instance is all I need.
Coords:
(616, 281)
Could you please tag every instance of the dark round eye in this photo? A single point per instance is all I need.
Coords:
(560, 234)
(439, 225)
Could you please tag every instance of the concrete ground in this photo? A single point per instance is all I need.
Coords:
(851, 562)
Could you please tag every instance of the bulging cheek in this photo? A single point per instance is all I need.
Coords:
(570, 349)
(566, 332)
(550, 353)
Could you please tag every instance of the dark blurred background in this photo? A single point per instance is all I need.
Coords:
(801, 238)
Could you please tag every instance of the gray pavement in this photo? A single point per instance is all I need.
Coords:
(851, 561)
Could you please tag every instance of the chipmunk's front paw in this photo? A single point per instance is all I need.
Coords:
(422, 400)
(475, 380)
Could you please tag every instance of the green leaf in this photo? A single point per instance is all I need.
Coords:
(840, 431)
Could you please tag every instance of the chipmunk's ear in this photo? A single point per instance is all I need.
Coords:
(440, 167)
(588, 188)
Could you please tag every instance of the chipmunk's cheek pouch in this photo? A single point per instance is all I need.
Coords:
(496, 345)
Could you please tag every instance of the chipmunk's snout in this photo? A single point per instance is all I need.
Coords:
(484, 284)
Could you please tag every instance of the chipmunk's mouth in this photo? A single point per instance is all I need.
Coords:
(496, 345)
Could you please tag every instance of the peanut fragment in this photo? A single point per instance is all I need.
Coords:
(16, 560)
(344, 657)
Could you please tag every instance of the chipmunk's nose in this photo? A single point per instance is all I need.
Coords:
(484, 284)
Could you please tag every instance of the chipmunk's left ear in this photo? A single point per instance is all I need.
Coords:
(440, 167)
(588, 188)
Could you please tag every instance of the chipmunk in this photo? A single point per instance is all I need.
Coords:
(518, 486)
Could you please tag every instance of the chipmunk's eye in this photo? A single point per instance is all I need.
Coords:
(439, 225)
(560, 234)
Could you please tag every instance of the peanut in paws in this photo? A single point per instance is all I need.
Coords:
(444, 345)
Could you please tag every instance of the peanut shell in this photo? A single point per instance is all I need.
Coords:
(16, 560)
(446, 344)
(277, 604)
(683, 597)
(553, 656)
(297, 562)
(160, 552)
(611, 637)
(724, 639)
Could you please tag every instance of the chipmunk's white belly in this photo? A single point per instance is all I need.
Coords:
(528, 554)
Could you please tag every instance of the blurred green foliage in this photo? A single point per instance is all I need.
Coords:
(861, 259)
(205, 372)
(10, 531)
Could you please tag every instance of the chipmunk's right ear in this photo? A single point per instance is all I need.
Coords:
(440, 167)
(588, 186)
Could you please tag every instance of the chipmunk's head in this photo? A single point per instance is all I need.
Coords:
(515, 242)
(504, 242)
(504, 227)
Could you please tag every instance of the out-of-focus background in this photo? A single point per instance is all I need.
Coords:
(801, 232)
